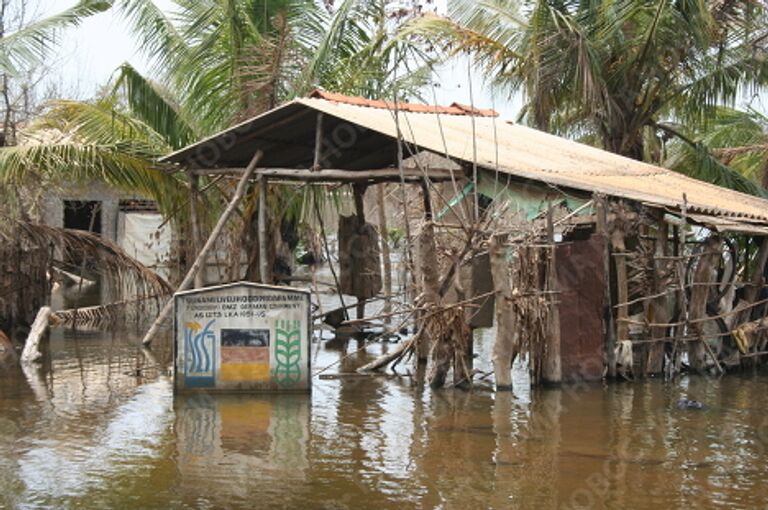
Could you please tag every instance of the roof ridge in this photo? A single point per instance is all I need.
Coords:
(453, 109)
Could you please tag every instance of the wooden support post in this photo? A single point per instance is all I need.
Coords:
(552, 363)
(358, 191)
(428, 269)
(703, 278)
(385, 255)
(622, 285)
(505, 345)
(194, 220)
(679, 252)
(657, 308)
(187, 281)
(265, 268)
(609, 339)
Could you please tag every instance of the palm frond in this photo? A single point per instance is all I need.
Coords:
(159, 38)
(29, 45)
(150, 103)
(121, 165)
(99, 122)
(695, 159)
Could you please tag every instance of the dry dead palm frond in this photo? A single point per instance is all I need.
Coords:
(97, 317)
(108, 259)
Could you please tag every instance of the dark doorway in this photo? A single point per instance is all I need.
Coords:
(82, 215)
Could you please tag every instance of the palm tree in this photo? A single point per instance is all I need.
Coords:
(733, 138)
(625, 72)
(223, 61)
(23, 48)
(108, 140)
(233, 59)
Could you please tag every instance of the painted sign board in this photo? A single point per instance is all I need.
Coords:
(242, 337)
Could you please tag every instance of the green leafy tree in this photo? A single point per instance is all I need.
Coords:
(732, 138)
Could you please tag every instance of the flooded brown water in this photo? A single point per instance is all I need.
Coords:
(86, 431)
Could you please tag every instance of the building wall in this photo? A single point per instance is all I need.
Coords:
(53, 208)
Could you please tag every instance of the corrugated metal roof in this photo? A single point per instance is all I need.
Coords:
(533, 154)
(512, 149)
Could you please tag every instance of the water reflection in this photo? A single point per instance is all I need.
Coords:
(97, 426)
(258, 445)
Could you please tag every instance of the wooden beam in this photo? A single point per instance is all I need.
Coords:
(335, 175)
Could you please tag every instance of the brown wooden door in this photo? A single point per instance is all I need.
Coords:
(581, 277)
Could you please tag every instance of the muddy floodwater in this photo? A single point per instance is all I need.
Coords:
(98, 427)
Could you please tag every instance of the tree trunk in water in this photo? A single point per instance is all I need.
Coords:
(657, 309)
(31, 352)
(265, 269)
(359, 195)
(609, 342)
(505, 346)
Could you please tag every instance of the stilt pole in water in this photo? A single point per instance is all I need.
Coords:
(385, 256)
(189, 278)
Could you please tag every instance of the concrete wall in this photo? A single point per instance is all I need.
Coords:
(53, 208)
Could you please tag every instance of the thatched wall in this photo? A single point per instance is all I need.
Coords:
(24, 287)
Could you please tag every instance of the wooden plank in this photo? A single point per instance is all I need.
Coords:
(337, 175)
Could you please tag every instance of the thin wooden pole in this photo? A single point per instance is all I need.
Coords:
(385, 255)
(680, 250)
(428, 274)
(657, 306)
(317, 164)
(358, 191)
(188, 279)
(552, 363)
(328, 258)
(505, 345)
(194, 192)
(265, 270)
